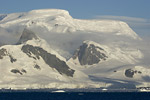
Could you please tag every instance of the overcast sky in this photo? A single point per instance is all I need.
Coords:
(135, 12)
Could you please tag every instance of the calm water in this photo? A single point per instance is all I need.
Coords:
(75, 96)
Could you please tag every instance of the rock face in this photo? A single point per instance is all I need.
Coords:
(17, 71)
(27, 35)
(12, 59)
(130, 73)
(2, 17)
(89, 54)
(37, 67)
(49, 59)
(3, 53)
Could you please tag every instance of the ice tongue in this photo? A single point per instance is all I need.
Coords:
(27, 35)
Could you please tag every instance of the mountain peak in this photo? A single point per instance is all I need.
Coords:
(90, 42)
(27, 35)
(90, 53)
(49, 12)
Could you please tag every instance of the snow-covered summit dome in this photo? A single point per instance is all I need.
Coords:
(60, 21)
(50, 11)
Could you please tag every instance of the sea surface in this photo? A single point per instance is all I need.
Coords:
(75, 96)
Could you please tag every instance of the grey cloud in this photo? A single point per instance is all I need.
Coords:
(125, 18)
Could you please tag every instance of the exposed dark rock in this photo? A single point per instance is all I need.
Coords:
(49, 59)
(129, 73)
(139, 72)
(56, 25)
(16, 71)
(27, 35)
(3, 52)
(12, 59)
(89, 55)
(135, 71)
(37, 67)
(115, 71)
(2, 17)
(23, 70)
(20, 15)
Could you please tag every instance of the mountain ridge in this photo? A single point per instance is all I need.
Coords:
(27, 61)
(60, 21)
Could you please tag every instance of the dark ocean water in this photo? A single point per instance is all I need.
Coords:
(75, 96)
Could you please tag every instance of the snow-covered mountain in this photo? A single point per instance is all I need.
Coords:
(90, 53)
(59, 21)
(50, 49)
(32, 62)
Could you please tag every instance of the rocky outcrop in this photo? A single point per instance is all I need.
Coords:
(2, 17)
(17, 71)
(130, 73)
(37, 67)
(89, 54)
(3, 52)
(49, 59)
(12, 59)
